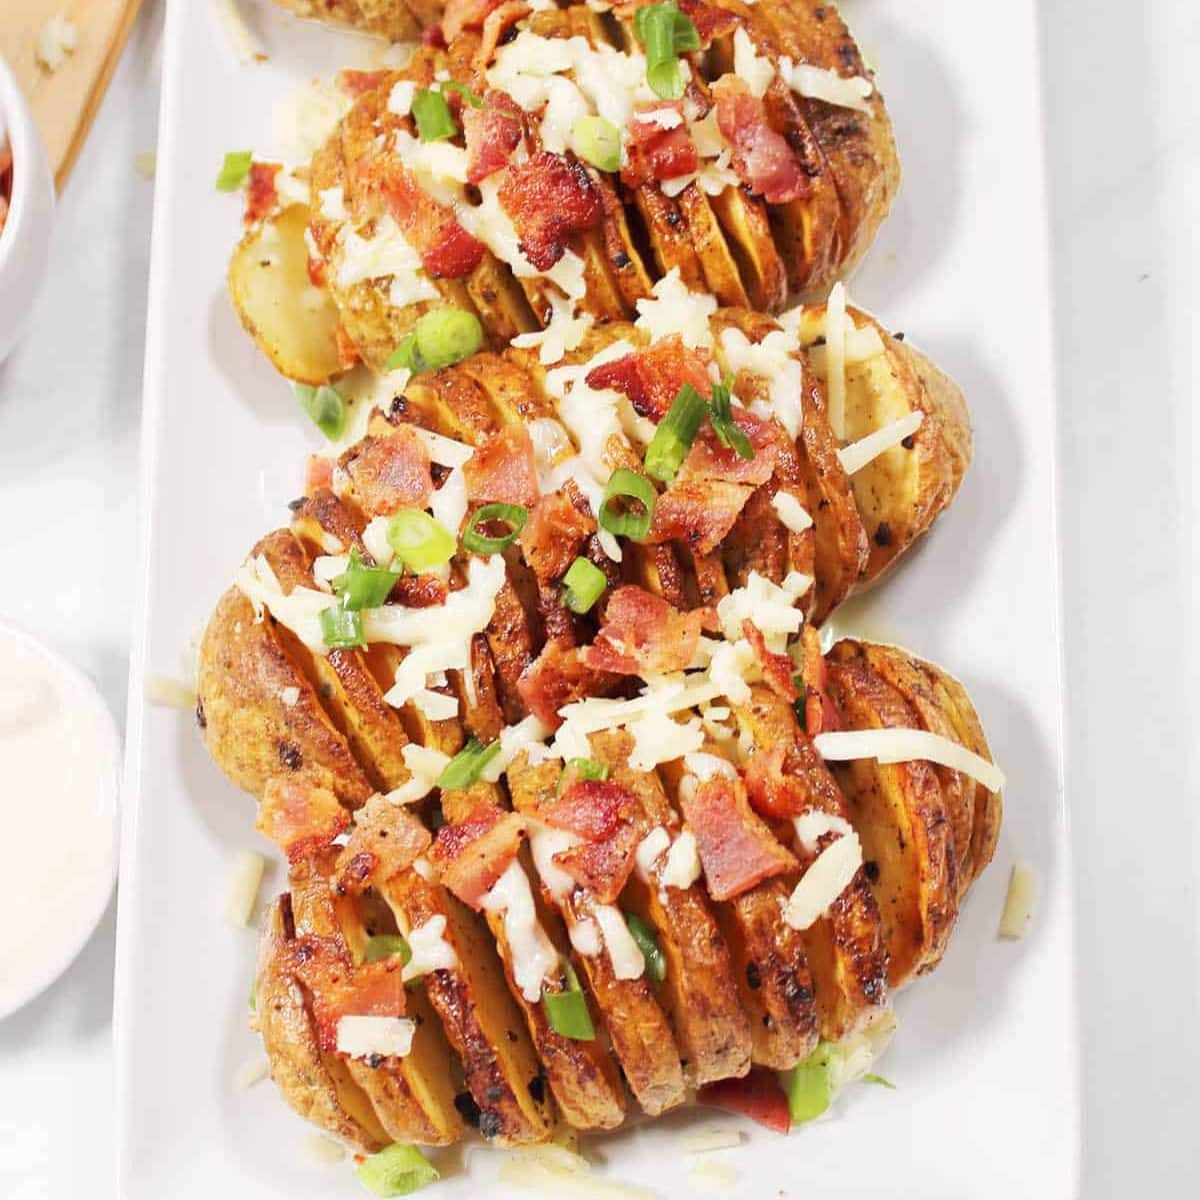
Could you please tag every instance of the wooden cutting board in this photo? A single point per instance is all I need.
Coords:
(65, 101)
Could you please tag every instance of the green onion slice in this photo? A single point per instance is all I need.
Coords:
(325, 408)
(626, 522)
(879, 1079)
(597, 141)
(647, 940)
(584, 768)
(234, 170)
(585, 584)
(360, 586)
(474, 100)
(432, 115)
(420, 542)
(800, 704)
(439, 339)
(467, 765)
(381, 946)
(396, 1171)
(675, 434)
(728, 434)
(665, 33)
(405, 356)
(478, 542)
(341, 628)
(810, 1084)
(567, 1011)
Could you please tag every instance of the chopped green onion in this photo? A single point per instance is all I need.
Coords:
(341, 628)
(432, 115)
(439, 339)
(728, 434)
(513, 515)
(360, 586)
(810, 1084)
(647, 941)
(585, 584)
(800, 704)
(465, 92)
(675, 434)
(567, 1011)
(386, 945)
(597, 141)
(665, 33)
(584, 768)
(627, 485)
(325, 408)
(234, 170)
(396, 1171)
(420, 542)
(467, 765)
(879, 1079)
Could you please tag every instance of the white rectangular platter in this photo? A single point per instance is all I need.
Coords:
(985, 1062)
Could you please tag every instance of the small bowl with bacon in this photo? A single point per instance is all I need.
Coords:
(26, 212)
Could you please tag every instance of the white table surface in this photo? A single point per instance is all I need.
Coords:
(1123, 115)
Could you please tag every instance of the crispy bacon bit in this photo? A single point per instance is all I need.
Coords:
(473, 853)
(607, 817)
(347, 348)
(318, 474)
(358, 83)
(465, 14)
(820, 716)
(762, 158)
(391, 472)
(642, 633)
(653, 152)
(737, 851)
(549, 197)
(788, 779)
(651, 378)
(558, 676)
(495, 25)
(552, 536)
(386, 840)
(492, 133)
(777, 669)
(340, 989)
(711, 21)
(316, 271)
(420, 591)
(698, 512)
(299, 818)
(434, 37)
(503, 468)
(757, 1096)
(708, 459)
(261, 195)
(447, 250)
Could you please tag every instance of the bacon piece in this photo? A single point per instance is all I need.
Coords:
(698, 512)
(757, 1096)
(261, 194)
(386, 840)
(318, 474)
(653, 152)
(358, 83)
(790, 778)
(495, 25)
(737, 851)
(558, 676)
(777, 669)
(492, 133)
(642, 633)
(708, 459)
(762, 158)
(651, 378)
(390, 472)
(473, 853)
(299, 818)
(316, 271)
(503, 468)
(608, 818)
(549, 197)
(820, 716)
(340, 989)
(465, 14)
(433, 36)
(552, 536)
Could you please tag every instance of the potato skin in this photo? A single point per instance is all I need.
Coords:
(391, 19)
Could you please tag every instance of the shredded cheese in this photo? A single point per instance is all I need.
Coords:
(791, 512)
(773, 360)
(908, 745)
(430, 950)
(835, 359)
(650, 849)
(771, 606)
(370, 1037)
(244, 882)
(682, 867)
(253, 1071)
(659, 738)
(755, 70)
(165, 692)
(626, 956)
(1018, 902)
(858, 454)
(672, 308)
(720, 1137)
(830, 873)
(245, 44)
(814, 824)
(565, 331)
(817, 83)
(532, 954)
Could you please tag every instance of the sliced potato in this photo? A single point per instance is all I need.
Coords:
(294, 323)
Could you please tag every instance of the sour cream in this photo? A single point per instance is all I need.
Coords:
(60, 767)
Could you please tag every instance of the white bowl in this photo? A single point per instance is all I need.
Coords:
(25, 241)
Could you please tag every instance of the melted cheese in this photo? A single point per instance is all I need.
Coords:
(908, 745)
(450, 502)
(532, 954)
(401, 97)
(565, 331)
(866, 450)
(826, 879)
(385, 253)
(673, 309)
(374, 538)
(835, 358)
(444, 451)
(370, 1037)
(771, 359)
(624, 953)
(816, 83)
(658, 738)
(754, 69)
(650, 849)
(425, 765)
(682, 867)
(430, 950)
(514, 740)
(299, 610)
(708, 766)
(791, 512)
(545, 842)
(585, 937)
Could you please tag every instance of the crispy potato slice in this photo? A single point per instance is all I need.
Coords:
(900, 815)
(316, 1085)
(721, 274)
(293, 323)
(750, 245)
(390, 19)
